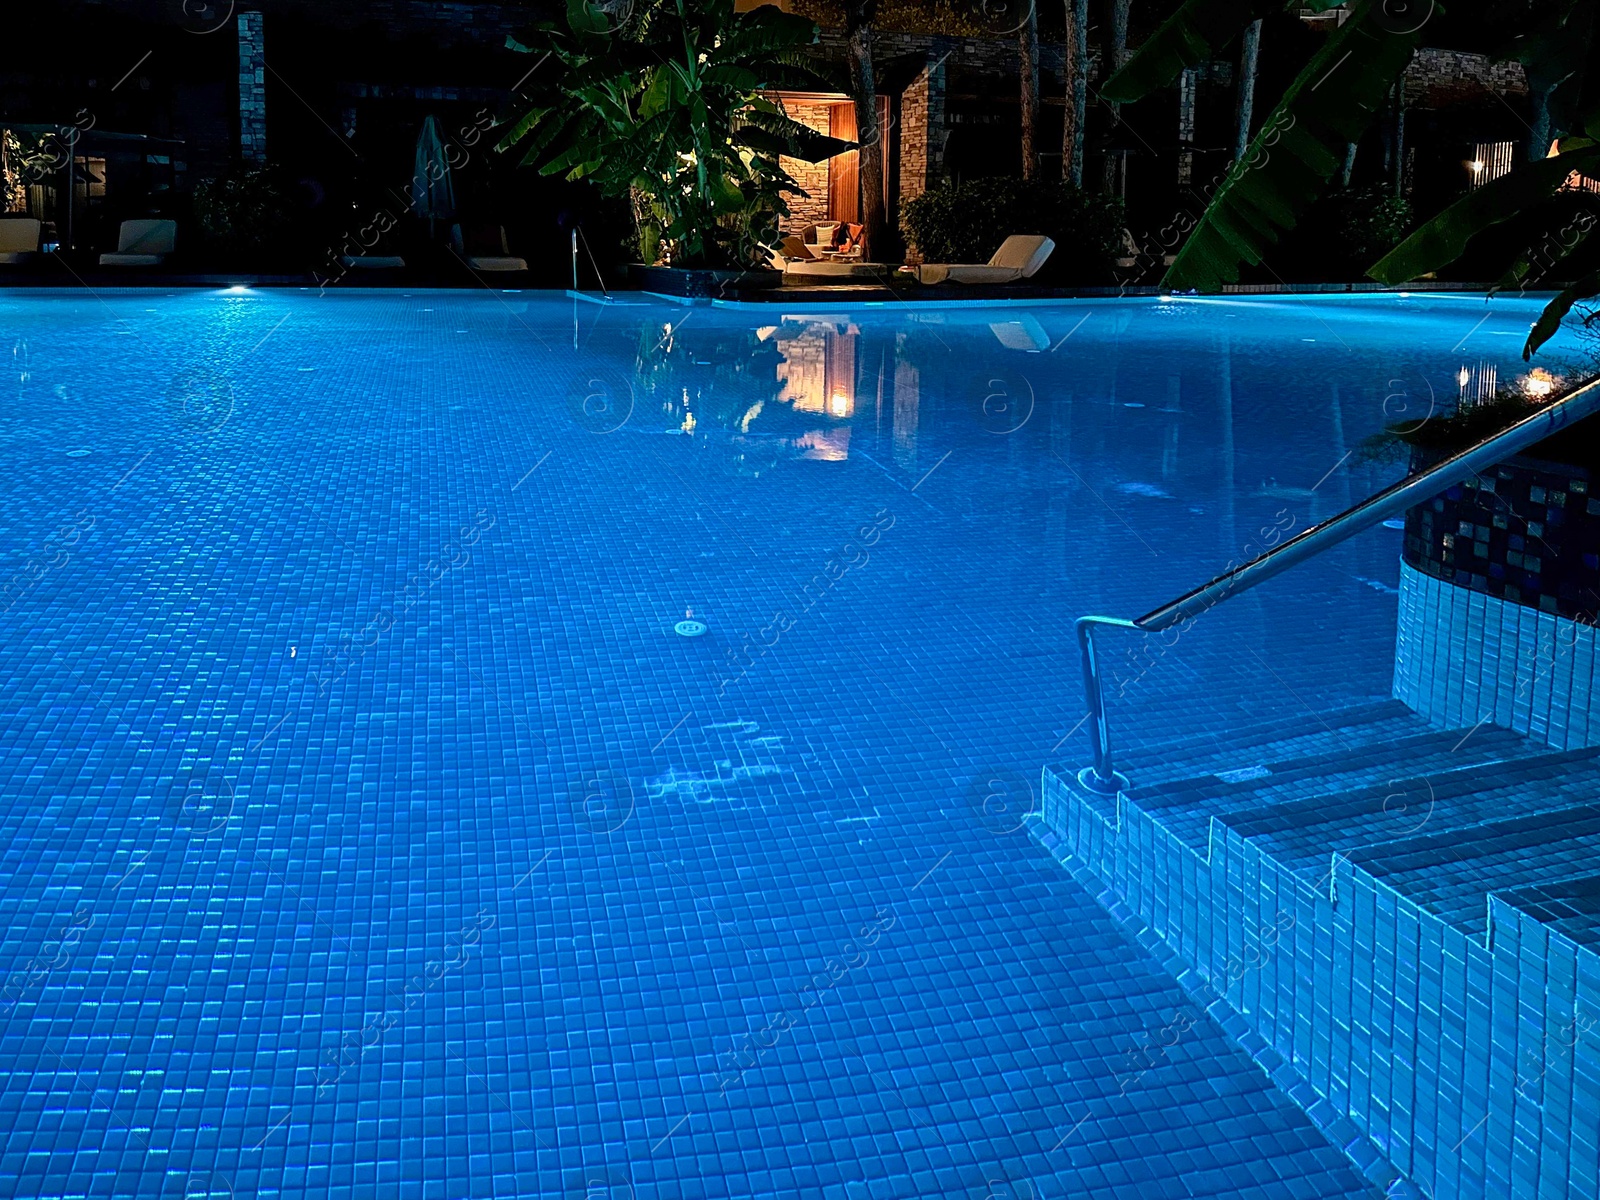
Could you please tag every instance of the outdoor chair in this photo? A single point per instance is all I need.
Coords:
(820, 235)
(373, 262)
(142, 243)
(19, 239)
(1020, 257)
(803, 263)
(484, 248)
(820, 239)
(791, 249)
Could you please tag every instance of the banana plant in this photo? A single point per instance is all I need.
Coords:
(1563, 61)
(668, 105)
(1301, 143)
(1333, 101)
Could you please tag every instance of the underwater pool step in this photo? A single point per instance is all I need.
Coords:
(1389, 912)
(1278, 739)
(1452, 873)
(1569, 907)
(1185, 807)
(1304, 834)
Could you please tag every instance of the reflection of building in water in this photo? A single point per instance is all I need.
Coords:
(1477, 382)
(817, 374)
(907, 403)
(818, 371)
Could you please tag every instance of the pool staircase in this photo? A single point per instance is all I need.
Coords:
(1396, 912)
(1400, 921)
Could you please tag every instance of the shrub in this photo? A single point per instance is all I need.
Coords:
(1342, 235)
(966, 222)
(1370, 222)
(246, 212)
(1440, 435)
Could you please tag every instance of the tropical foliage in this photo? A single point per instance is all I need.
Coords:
(1563, 62)
(1330, 105)
(1300, 145)
(663, 104)
(247, 209)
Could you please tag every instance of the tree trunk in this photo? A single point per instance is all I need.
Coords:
(1394, 136)
(1539, 131)
(1398, 175)
(1349, 165)
(1077, 73)
(1249, 52)
(1028, 70)
(869, 136)
(1113, 53)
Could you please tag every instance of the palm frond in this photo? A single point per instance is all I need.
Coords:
(1559, 57)
(1444, 239)
(1299, 147)
(1550, 319)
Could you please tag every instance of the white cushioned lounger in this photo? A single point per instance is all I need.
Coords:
(1020, 256)
(142, 243)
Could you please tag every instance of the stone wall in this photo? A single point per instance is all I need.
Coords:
(813, 177)
(252, 88)
(1442, 78)
(989, 56)
(921, 131)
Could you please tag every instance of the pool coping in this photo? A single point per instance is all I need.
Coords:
(134, 281)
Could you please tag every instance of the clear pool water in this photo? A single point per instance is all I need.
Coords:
(368, 830)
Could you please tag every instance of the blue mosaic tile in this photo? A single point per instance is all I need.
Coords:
(368, 830)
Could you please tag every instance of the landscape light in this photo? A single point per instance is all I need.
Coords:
(1539, 383)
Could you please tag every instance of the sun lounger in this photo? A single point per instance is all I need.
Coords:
(19, 239)
(373, 262)
(803, 262)
(1020, 256)
(485, 248)
(142, 243)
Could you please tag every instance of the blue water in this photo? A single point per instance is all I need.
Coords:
(368, 830)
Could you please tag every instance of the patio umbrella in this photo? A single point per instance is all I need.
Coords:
(433, 194)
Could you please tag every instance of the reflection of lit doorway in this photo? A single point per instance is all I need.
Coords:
(818, 371)
(840, 371)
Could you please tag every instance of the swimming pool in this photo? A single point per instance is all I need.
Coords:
(368, 828)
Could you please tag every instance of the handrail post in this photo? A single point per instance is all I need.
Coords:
(1102, 777)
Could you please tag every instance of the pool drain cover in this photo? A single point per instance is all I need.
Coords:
(690, 628)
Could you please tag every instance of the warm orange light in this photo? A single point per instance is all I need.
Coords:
(839, 405)
(1539, 383)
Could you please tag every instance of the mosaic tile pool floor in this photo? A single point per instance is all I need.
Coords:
(367, 829)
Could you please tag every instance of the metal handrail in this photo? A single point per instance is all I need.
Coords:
(1393, 500)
